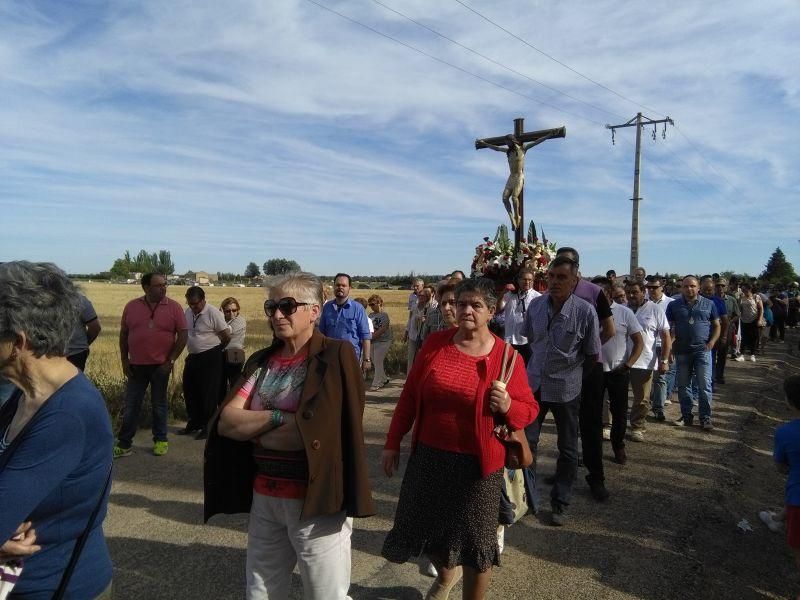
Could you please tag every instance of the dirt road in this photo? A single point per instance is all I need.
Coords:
(668, 531)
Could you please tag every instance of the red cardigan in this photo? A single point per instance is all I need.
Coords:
(522, 412)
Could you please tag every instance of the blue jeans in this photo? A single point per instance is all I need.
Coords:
(566, 418)
(698, 364)
(663, 386)
(142, 377)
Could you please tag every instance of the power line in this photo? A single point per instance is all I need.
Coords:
(451, 65)
(493, 61)
(554, 59)
(622, 96)
(713, 168)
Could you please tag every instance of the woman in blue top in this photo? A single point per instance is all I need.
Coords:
(55, 440)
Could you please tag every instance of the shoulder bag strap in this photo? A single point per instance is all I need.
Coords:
(507, 367)
(76, 552)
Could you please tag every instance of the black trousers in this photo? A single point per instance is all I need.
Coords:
(79, 359)
(201, 383)
(590, 418)
(749, 337)
(616, 383)
(778, 327)
(524, 351)
(720, 360)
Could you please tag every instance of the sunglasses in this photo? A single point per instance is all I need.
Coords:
(287, 306)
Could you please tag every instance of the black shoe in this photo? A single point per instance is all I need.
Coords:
(188, 430)
(549, 479)
(620, 457)
(598, 489)
(201, 435)
(559, 515)
(659, 416)
(720, 380)
(684, 421)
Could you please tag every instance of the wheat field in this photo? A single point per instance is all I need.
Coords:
(105, 369)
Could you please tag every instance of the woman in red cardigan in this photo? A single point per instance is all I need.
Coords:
(450, 496)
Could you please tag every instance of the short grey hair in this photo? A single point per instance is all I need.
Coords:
(482, 286)
(39, 300)
(300, 285)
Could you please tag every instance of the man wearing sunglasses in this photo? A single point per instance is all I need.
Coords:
(345, 319)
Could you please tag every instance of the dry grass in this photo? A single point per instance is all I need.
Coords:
(104, 366)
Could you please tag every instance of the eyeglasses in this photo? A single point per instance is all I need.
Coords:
(230, 310)
(287, 306)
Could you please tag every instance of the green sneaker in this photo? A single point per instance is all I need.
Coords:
(120, 452)
(160, 448)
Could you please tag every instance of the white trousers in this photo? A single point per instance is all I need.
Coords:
(379, 351)
(277, 539)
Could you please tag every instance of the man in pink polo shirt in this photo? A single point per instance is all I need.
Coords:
(152, 336)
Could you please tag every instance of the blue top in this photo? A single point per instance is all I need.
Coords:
(52, 475)
(722, 308)
(347, 321)
(787, 452)
(692, 323)
(560, 345)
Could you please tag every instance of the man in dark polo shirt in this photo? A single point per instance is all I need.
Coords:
(695, 329)
(152, 336)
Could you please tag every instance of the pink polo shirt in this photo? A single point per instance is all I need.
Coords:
(151, 344)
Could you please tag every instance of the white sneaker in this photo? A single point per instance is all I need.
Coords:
(501, 538)
(636, 435)
(667, 402)
(768, 517)
(426, 567)
(606, 433)
(739, 358)
(752, 358)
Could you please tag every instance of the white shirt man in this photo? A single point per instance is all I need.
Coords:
(202, 373)
(653, 358)
(516, 305)
(617, 355)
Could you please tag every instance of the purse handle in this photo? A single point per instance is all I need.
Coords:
(507, 367)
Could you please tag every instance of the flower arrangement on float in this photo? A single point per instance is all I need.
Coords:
(498, 260)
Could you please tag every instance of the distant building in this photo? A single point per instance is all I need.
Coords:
(203, 278)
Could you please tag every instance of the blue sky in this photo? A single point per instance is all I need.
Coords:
(246, 130)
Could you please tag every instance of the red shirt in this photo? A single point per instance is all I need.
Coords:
(447, 420)
(151, 330)
(435, 361)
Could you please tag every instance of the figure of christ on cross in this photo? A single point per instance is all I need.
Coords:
(515, 146)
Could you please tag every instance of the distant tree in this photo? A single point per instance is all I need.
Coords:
(252, 270)
(279, 266)
(778, 269)
(157, 262)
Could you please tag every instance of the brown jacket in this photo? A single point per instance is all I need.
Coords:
(329, 419)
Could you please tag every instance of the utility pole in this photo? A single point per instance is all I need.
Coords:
(639, 122)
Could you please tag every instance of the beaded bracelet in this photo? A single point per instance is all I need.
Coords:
(277, 418)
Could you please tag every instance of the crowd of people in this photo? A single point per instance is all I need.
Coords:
(283, 427)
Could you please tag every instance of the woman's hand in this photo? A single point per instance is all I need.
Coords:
(21, 545)
(499, 400)
(391, 461)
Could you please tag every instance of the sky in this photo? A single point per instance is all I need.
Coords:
(238, 131)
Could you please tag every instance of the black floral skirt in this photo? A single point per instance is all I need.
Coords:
(446, 510)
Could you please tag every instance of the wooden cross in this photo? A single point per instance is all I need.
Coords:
(515, 146)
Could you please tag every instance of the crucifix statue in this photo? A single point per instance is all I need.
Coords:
(515, 146)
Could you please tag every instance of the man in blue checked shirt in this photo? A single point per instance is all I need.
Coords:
(344, 319)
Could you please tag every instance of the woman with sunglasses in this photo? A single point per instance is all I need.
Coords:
(450, 496)
(234, 351)
(287, 446)
(381, 340)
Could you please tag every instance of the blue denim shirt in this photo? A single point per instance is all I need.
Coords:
(692, 323)
(346, 322)
(560, 344)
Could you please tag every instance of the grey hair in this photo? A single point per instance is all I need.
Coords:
(39, 300)
(483, 286)
(300, 285)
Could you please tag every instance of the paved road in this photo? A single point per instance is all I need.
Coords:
(668, 531)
